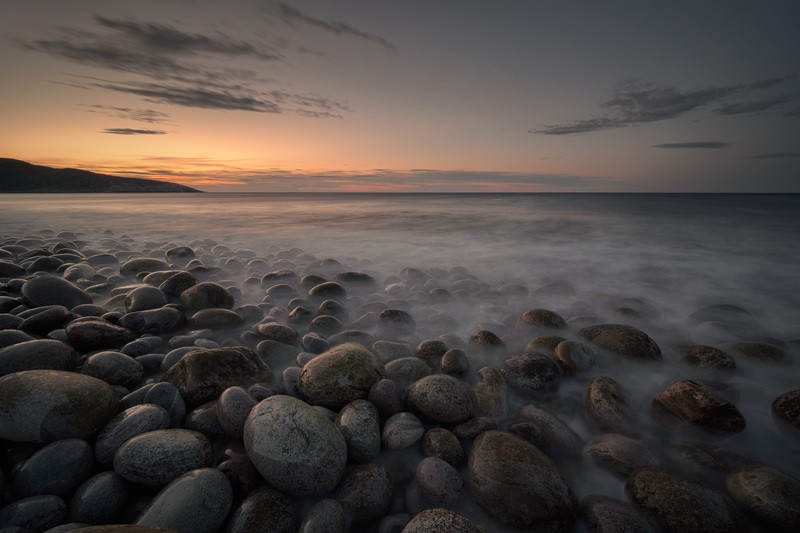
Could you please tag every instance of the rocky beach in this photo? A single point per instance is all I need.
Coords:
(199, 384)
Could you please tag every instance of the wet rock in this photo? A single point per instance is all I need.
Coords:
(385, 396)
(52, 290)
(606, 405)
(401, 431)
(544, 343)
(625, 341)
(126, 425)
(444, 444)
(326, 515)
(340, 375)
(152, 321)
(440, 482)
(11, 270)
(144, 298)
(265, 509)
(205, 296)
(233, 407)
(532, 373)
(725, 313)
(158, 457)
(757, 351)
(608, 515)
(167, 396)
(43, 354)
(202, 375)
(574, 357)
(91, 335)
(197, 502)
(179, 252)
(37, 513)
(365, 492)
(442, 520)
(769, 495)
(359, 423)
(43, 406)
(204, 419)
(99, 500)
(786, 411)
(441, 398)
(706, 357)
(548, 432)
(114, 368)
(295, 447)
(690, 402)
(660, 494)
(57, 469)
(620, 454)
(455, 362)
(517, 484)
(46, 320)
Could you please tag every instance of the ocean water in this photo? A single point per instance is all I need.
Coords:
(664, 255)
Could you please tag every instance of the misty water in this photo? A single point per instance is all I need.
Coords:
(663, 256)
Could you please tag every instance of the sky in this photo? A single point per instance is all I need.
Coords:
(411, 96)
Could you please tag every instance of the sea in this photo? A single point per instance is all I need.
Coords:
(668, 254)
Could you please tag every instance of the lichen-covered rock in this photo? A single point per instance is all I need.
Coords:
(517, 484)
(622, 340)
(340, 375)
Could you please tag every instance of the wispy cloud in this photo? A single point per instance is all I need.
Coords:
(131, 131)
(709, 145)
(776, 155)
(293, 15)
(635, 102)
(756, 106)
(149, 116)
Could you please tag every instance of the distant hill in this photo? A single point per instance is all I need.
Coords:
(19, 176)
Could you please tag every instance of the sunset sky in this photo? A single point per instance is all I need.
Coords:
(379, 95)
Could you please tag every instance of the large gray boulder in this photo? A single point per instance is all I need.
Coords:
(340, 375)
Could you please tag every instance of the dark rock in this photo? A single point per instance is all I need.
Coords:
(490, 392)
(216, 319)
(204, 419)
(57, 469)
(196, 502)
(690, 402)
(401, 431)
(431, 351)
(726, 313)
(407, 370)
(625, 341)
(606, 405)
(44, 354)
(441, 443)
(474, 427)
(701, 508)
(340, 375)
(152, 321)
(134, 266)
(52, 290)
(205, 296)
(45, 321)
(385, 396)
(43, 406)
(144, 298)
(167, 396)
(114, 368)
(99, 500)
(620, 454)
(37, 513)
(547, 432)
(364, 339)
(325, 325)
(441, 398)
(574, 357)
(706, 357)
(757, 351)
(326, 515)
(241, 474)
(396, 322)
(517, 484)
(536, 320)
(126, 425)
(265, 509)
(202, 375)
(279, 333)
(329, 290)
(769, 495)
(440, 482)
(91, 335)
(158, 457)
(11, 270)
(533, 373)
(177, 283)
(365, 492)
(786, 411)
(455, 362)
(359, 423)
(487, 346)
(294, 446)
(441, 520)
(607, 515)
(233, 407)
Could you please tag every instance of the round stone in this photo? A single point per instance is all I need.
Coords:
(326, 515)
(114, 368)
(126, 425)
(144, 298)
(442, 398)
(360, 426)
(757, 351)
(548, 432)
(455, 362)
(92, 335)
(295, 447)
(401, 431)
(625, 341)
(41, 354)
(99, 500)
(706, 357)
(620, 454)
(37, 513)
(536, 320)
(365, 492)
(442, 443)
(689, 402)
(606, 405)
(329, 290)
(264, 509)
(442, 520)
(216, 319)
(233, 407)
(490, 392)
(52, 290)
(57, 469)
(152, 321)
(158, 457)
(770, 495)
(206, 295)
(385, 397)
(574, 357)
(532, 373)
(167, 396)
(440, 482)
(43, 406)
(134, 266)
(196, 502)
(607, 515)
(406, 370)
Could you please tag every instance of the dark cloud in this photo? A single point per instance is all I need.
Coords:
(756, 105)
(792, 114)
(150, 116)
(291, 14)
(776, 155)
(712, 145)
(130, 131)
(636, 102)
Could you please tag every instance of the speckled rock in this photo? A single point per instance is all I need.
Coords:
(620, 454)
(441, 521)
(688, 402)
(757, 351)
(548, 432)
(625, 341)
(407, 370)
(702, 509)
(114, 368)
(607, 515)
(340, 375)
(158, 457)
(365, 492)
(706, 357)
(40, 354)
(574, 357)
(196, 502)
(265, 509)
(786, 411)
(401, 431)
(769, 495)
(532, 373)
(606, 405)
(385, 396)
(144, 298)
(91, 335)
(455, 362)
(202, 375)
(206, 295)
(325, 516)
(233, 407)
(517, 484)
(490, 392)
(36, 513)
(440, 482)
(126, 425)
(57, 469)
(168, 396)
(360, 426)
(99, 500)
(486, 346)
(53, 290)
(329, 290)
(47, 405)
(537, 320)
(296, 448)
(442, 443)
(441, 398)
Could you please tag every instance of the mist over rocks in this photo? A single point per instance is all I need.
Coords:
(264, 386)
